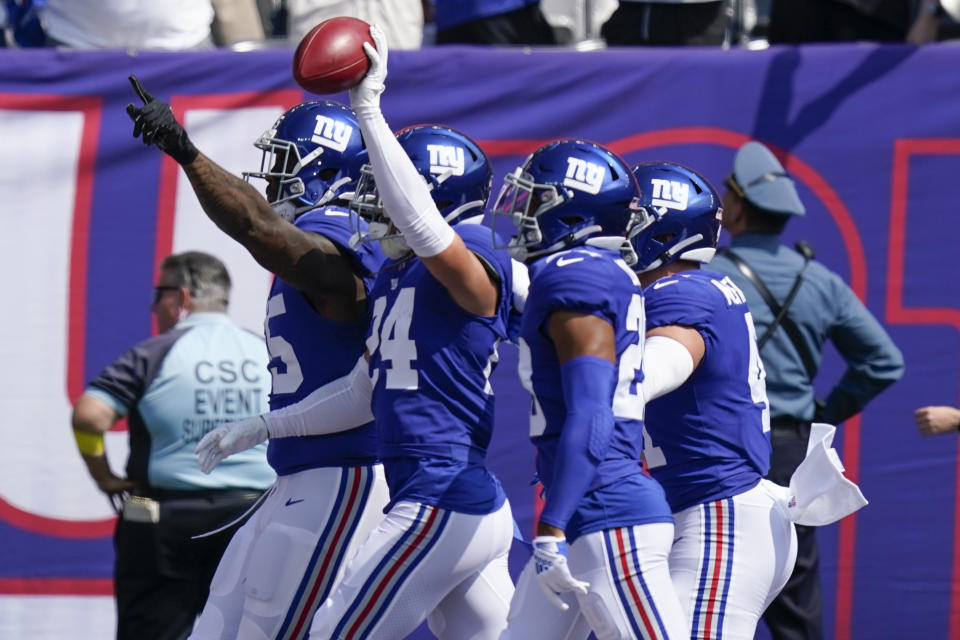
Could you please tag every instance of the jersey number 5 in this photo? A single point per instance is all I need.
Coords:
(290, 379)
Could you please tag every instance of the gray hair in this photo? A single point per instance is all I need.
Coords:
(203, 275)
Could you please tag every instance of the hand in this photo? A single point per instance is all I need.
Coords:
(155, 121)
(553, 574)
(367, 93)
(936, 420)
(229, 439)
(117, 489)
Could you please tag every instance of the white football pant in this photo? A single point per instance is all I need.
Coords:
(630, 595)
(730, 559)
(284, 561)
(420, 563)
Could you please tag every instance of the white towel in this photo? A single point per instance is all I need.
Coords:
(819, 494)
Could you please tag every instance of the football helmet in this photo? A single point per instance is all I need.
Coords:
(686, 216)
(311, 156)
(567, 193)
(456, 170)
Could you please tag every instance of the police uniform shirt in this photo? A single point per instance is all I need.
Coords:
(178, 386)
(824, 307)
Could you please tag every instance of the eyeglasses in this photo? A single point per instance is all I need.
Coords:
(731, 183)
(159, 289)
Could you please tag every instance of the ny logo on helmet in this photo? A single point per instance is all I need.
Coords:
(584, 176)
(446, 159)
(669, 194)
(333, 134)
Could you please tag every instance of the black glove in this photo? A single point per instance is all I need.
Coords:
(157, 125)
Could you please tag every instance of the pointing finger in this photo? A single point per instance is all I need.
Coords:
(141, 92)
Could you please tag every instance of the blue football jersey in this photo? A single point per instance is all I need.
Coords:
(597, 282)
(307, 351)
(431, 363)
(707, 440)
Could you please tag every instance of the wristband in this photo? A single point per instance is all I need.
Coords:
(89, 444)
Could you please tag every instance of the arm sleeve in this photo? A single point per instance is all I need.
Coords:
(405, 195)
(666, 365)
(873, 361)
(337, 406)
(588, 384)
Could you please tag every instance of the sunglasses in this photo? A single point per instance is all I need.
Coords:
(159, 290)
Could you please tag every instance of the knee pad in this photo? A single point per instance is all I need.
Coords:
(210, 624)
(277, 564)
(437, 623)
(230, 570)
(599, 618)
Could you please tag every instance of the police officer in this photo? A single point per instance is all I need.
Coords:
(759, 200)
(200, 371)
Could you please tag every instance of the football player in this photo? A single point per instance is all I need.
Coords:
(330, 490)
(581, 351)
(706, 423)
(441, 305)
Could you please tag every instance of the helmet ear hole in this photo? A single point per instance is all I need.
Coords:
(571, 220)
(328, 174)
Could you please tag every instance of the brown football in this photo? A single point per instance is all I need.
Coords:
(330, 58)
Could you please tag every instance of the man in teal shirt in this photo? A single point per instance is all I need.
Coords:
(200, 371)
(760, 199)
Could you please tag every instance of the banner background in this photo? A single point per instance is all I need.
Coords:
(871, 133)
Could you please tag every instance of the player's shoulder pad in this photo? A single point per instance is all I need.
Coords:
(343, 227)
(335, 223)
(682, 285)
(581, 279)
(480, 239)
(690, 298)
(584, 263)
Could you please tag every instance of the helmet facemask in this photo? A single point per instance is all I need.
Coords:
(523, 200)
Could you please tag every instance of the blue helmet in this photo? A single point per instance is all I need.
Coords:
(685, 212)
(455, 168)
(567, 193)
(311, 156)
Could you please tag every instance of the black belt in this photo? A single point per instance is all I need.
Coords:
(208, 494)
(789, 426)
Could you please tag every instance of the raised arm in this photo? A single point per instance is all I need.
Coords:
(407, 198)
(308, 261)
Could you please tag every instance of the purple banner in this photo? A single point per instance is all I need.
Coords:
(872, 134)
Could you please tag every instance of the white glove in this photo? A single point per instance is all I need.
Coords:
(553, 574)
(229, 439)
(367, 93)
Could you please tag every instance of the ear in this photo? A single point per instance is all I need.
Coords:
(186, 300)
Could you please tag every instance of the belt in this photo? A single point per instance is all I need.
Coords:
(789, 426)
(209, 494)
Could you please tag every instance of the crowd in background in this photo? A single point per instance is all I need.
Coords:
(410, 24)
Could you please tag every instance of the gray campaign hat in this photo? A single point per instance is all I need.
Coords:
(763, 181)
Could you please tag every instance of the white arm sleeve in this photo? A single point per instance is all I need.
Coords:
(337, 406)
(666, 365)
(405, 195)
